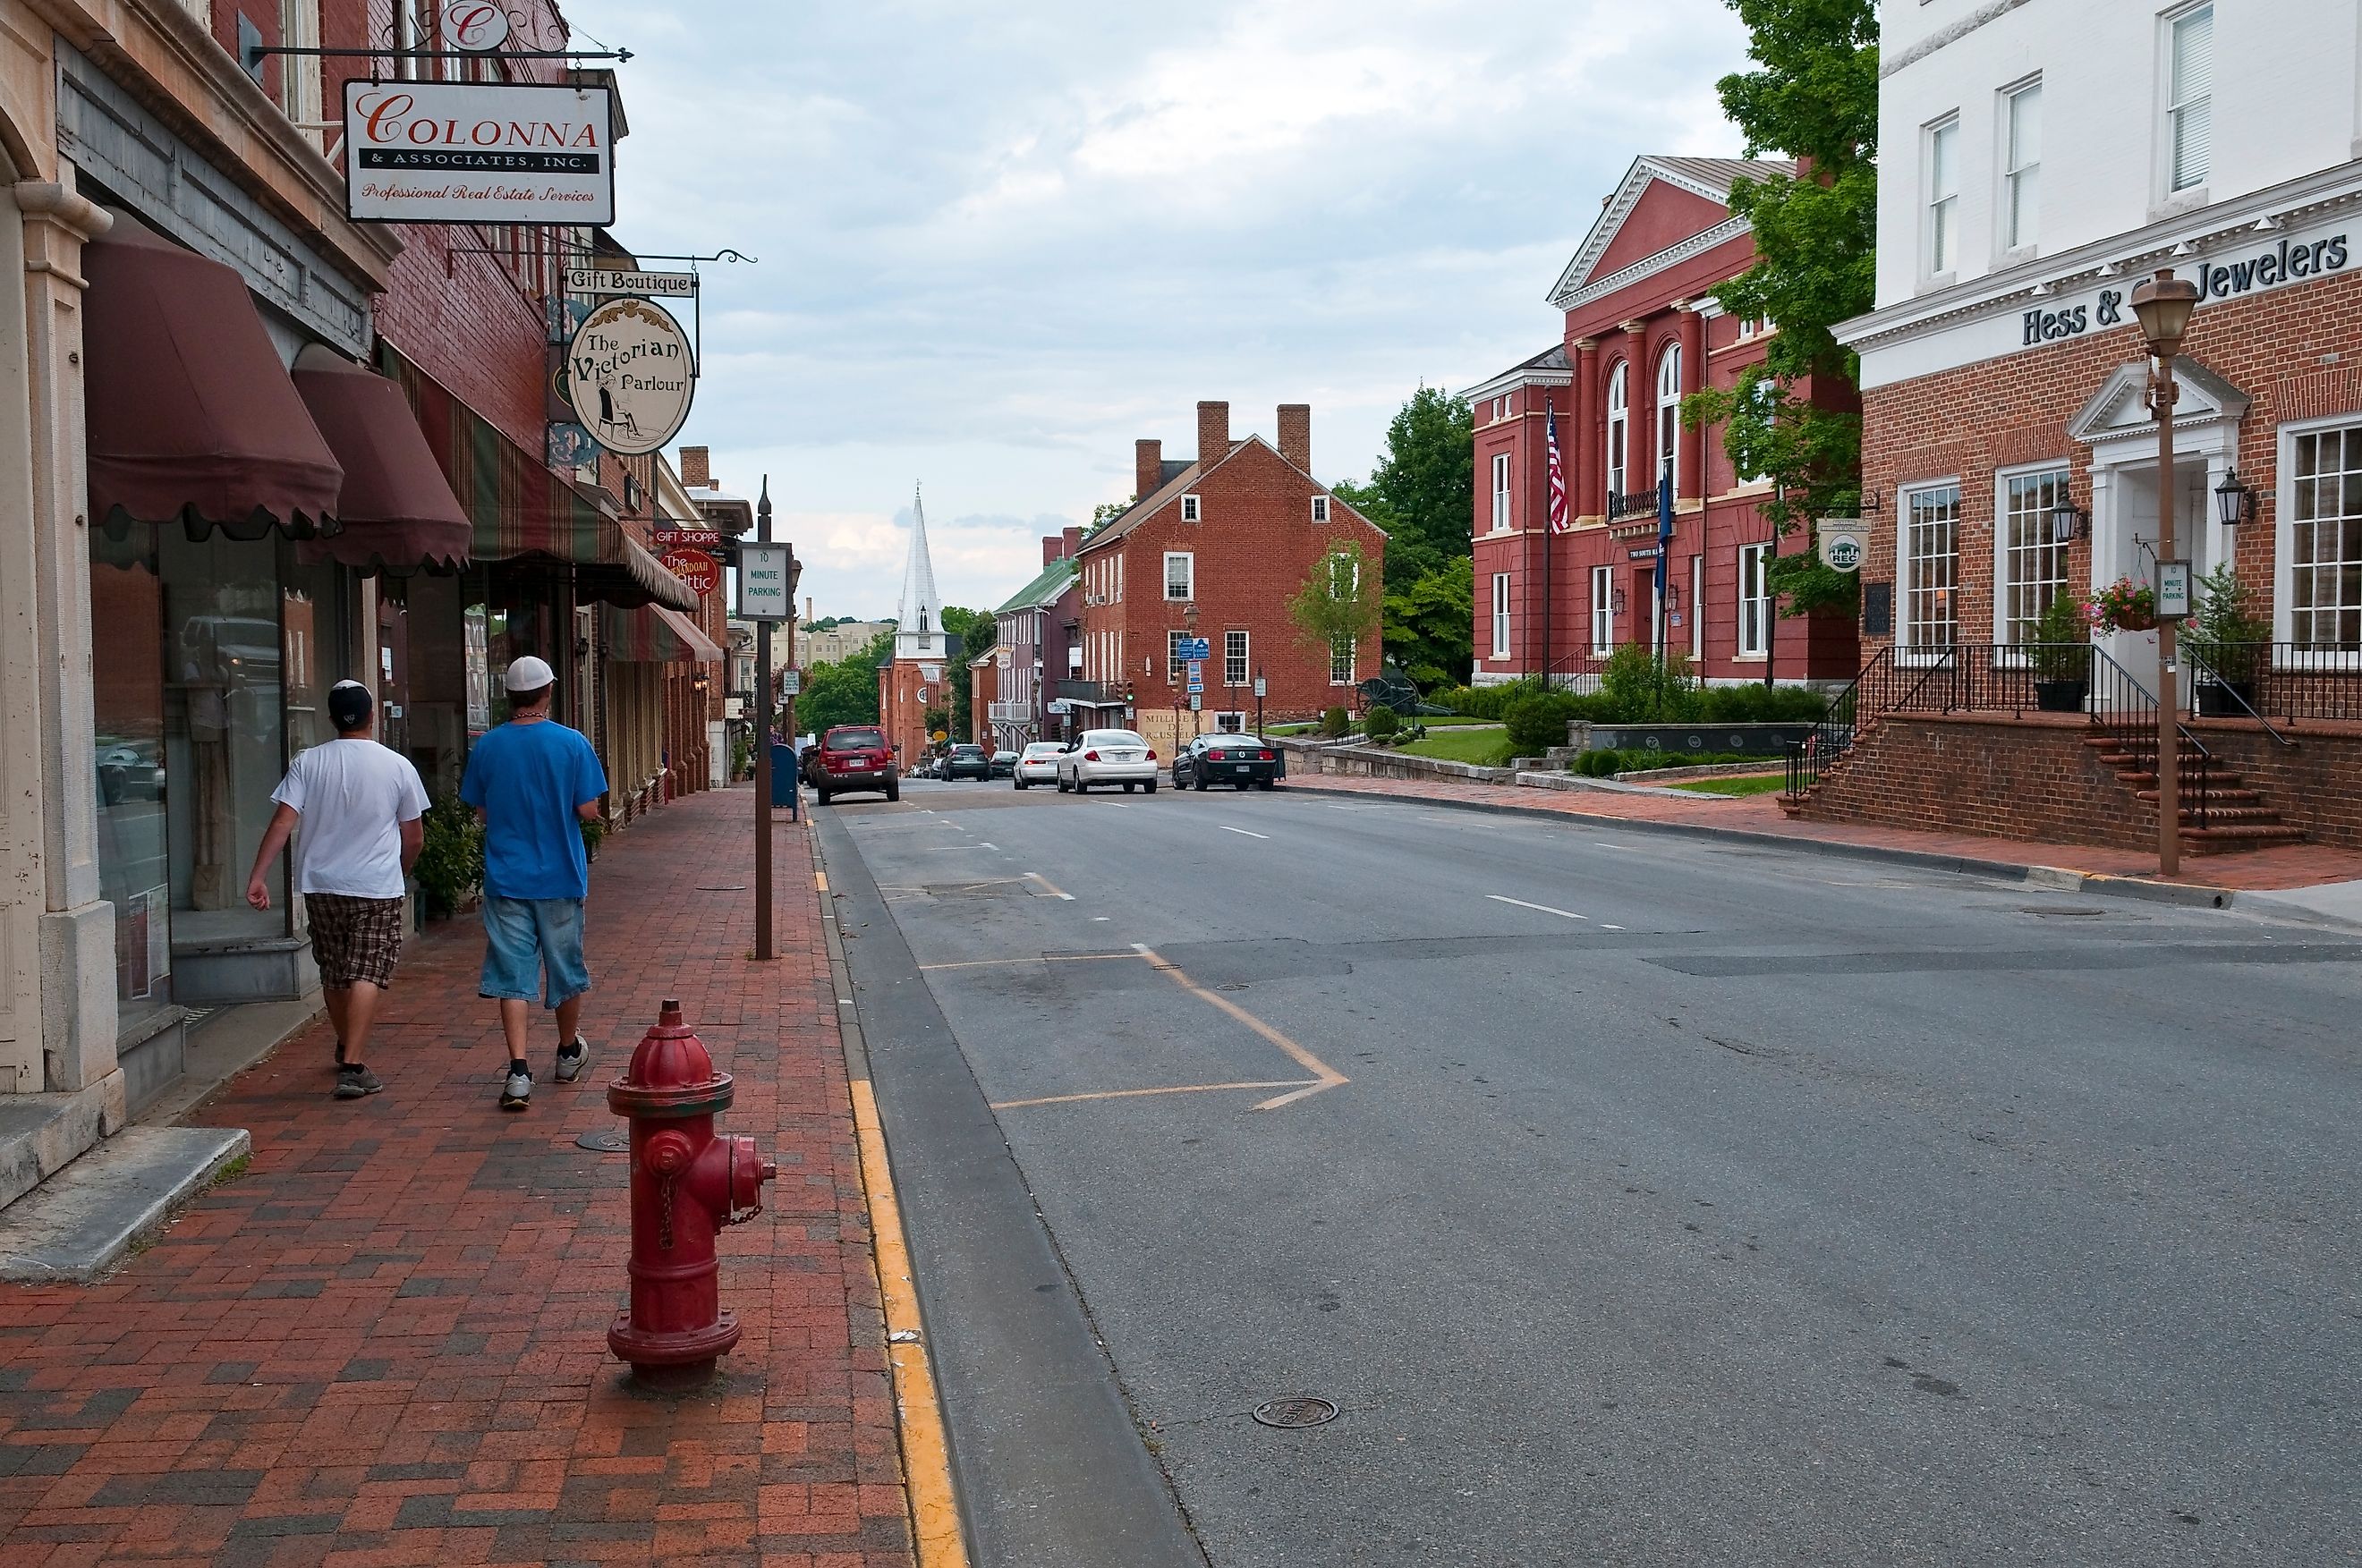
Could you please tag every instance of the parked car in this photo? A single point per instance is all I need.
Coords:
(1004, 764)
(1038, 764)
(966, 762)
(853, 757)
(1240, 760)
(1107, 756)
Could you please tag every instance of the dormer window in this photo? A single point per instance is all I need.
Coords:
(1189, 509)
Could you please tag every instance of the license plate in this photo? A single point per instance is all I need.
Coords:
(1124, 756)
(1240, 768)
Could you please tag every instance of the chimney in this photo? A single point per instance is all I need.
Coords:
(1053, 547)
(695, 468)
(1213, 433)
(809, 616)
(1295, 434)
(1147, 469)
(1072, 540)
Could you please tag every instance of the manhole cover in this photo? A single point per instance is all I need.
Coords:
(1305, 1412)
(616, 1142)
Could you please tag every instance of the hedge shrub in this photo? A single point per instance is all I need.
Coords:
(1381, 723)
(1334, 724)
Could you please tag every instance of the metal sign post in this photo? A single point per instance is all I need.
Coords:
(767, 591)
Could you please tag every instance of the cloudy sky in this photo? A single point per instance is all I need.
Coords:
(1000, 242)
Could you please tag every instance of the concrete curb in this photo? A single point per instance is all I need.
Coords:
(90, 1216)
(2056, 879)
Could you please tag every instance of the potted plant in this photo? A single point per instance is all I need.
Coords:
(2228, 644)
(2124, 604)
(2059, 646)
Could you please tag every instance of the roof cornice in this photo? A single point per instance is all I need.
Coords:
(1696, 244)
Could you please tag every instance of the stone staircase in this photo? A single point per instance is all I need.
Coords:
(2236, 816)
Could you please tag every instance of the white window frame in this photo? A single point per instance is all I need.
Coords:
(1320, 509)
(1697, 608)
(1177, 669)
(1907, 595)
(2009, 556)
(1602, 609)
(1939, 203)
(1192, 509)
(1188, 584)
(1119, 579)
(1343, 657)
(300, 85)
(2020, 139)
(2284, 563)
(1669, 415)
(1500, 615)
(1237, 666)
(2183, 105)
(1751, 636)
(1502, 510)
(1620, 428)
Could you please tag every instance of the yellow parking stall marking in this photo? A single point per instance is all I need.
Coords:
(1051, 887)
(1033, 958)
(1325, 1076)
(1136, 1094)
(820, 880)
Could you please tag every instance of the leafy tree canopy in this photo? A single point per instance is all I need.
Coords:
(1423, 491)
(1338, 604)
(977, 631)
(843, 692)
(1812, 96)
(1427, 631)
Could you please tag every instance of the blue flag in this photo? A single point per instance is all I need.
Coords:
(1664, 541)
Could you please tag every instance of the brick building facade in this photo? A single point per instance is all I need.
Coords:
(1214, 547)
(1640, 332)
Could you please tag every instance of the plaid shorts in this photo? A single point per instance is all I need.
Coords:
(355, 938)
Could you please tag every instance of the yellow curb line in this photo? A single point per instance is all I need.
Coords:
(926, 1453)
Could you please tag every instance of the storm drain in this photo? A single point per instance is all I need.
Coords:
(1300, 1412)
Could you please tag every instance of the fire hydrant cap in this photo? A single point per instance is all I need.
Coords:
(671, 1073)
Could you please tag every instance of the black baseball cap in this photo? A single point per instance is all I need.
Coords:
(348, 705)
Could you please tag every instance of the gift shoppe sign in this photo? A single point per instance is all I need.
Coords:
(419, 152)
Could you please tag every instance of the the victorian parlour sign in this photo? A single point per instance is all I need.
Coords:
(629, 376)
(466, 152)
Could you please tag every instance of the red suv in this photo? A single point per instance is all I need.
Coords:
(853, 756)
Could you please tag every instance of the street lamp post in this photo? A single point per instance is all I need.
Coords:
(2164, 305)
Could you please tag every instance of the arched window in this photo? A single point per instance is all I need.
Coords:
(1619, 407)
(1669, 414)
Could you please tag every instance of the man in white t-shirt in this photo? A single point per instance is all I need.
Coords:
(359, 806)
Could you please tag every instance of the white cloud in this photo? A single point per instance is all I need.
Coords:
(999, 245)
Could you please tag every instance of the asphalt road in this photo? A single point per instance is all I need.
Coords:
(1683, 1203)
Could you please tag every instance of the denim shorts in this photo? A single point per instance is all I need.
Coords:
(521, 932)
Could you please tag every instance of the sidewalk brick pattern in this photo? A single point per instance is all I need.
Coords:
(385, 1343)
(2283, 866)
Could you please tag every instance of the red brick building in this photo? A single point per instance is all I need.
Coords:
(1214, 547)
(1640, 332)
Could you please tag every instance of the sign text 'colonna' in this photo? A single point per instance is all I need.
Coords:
(2289, 261)
(470, 152)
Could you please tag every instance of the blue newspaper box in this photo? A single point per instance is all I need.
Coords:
(783, 774)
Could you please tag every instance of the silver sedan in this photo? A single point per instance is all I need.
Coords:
(1105, 757)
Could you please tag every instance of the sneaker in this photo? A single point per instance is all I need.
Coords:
(517, 1091)
(354, 1081)
(572, 1059)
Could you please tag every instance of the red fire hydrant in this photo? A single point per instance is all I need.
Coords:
(686, 1185)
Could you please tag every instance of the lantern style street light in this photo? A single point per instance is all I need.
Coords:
(2164, 305)
(2069, 521)
(2234, 500)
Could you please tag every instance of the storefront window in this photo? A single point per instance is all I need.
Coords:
(1931, 559)
(128, 670)
(316, 645)
(2033, 560)
(2326, 541)
(225, 738)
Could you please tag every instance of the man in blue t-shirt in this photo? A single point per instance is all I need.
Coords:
(533, 782)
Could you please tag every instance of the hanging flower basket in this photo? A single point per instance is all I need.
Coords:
(2124, 604)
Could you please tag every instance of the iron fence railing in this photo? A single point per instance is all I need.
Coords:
(2295, 682)
(1578, 673)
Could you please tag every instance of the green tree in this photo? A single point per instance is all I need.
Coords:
(1427, 630)
(1338, 604)
(978, 631)
(1107, 513)
(1814, 97)
(1423, 491)
(845, 692)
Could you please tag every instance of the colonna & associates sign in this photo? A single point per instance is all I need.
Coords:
(419, 152)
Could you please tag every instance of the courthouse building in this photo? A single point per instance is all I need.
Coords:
(2039, 161)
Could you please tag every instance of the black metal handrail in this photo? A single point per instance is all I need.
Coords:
(2124, 711)
(1833, 735)
(1579, 672)
(2298, 682)
(1633, 503)
(2222, 675)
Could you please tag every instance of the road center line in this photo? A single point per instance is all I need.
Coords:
(1049, 886)
(1545, 908)
(1243, 832)
(1327, 1077)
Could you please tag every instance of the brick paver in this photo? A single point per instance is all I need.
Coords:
(385, 1343)
(2282, 866)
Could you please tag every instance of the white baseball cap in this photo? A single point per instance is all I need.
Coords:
(529, 675)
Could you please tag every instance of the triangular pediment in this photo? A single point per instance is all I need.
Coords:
(1660, 203)
(2120, 407)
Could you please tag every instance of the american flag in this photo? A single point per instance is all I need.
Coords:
(1559, 521)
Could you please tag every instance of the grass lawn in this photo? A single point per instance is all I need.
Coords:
(1740, 784)
(1485, 748)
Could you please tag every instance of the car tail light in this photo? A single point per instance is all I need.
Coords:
(1151, 754)
(1090, 756)
(1263, 757)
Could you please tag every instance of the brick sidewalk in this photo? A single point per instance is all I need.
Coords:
(385, 1343)
(2282, 866)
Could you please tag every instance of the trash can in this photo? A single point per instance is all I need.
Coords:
(783, 774)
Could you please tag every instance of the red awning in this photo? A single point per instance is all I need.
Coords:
(398, 510)
(191, 415)
(655, 635)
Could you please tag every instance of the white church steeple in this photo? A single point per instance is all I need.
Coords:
(919, 631)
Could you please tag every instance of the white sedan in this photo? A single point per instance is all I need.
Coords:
(1107, 756)
(1038, 763)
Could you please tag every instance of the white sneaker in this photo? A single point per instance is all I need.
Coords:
(572, 1059)
(517, 1091)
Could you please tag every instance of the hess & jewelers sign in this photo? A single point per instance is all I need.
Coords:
(627, 375)
(419, 152)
